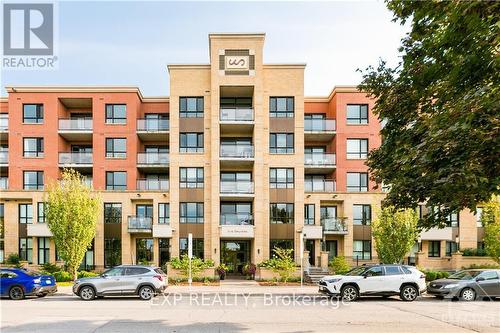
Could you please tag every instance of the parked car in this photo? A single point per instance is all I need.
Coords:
(143, 281)
(375, 280)
(467, 285)
(17, 283)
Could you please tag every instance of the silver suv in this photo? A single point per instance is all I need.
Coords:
(123, 280)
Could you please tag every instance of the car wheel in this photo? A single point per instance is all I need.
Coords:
(87, 293)
(146, 293)
(16, 293)
(468, 295)
(350, 293)
(408, 293)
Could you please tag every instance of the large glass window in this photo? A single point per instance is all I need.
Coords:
(112, 212)
(32, 113)
(116, 180)
(163, 213)
(281, 177)
(191, 212)
(282, 213)
(87, 263)
(25, 213)
(281, 143)
(112, 252)
(357, 149)
(281, 107)
(357, 182)
(116, 147)
(434, 249)
(191, 143)
(33, 147)
(281, 244)
(198, 247)
(309, 214)
(144, 250)
(236, 213)
(479, 214)
(191, 107)
(116, 114)
(357, 114)
(451, 247)
(361, 214)
(191, 177)
(362, 249)
(41, 212)
(33, 180)
(43, 250)
(26, 249)
(164, 250)
(452, 220)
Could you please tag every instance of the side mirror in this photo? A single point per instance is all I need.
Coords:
(104, 275)
(365, 276)
(479, 279)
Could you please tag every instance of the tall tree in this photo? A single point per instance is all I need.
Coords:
(491, 222)
(395, 232)
(71, 212)
(441, 139)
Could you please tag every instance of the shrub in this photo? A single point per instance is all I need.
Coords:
(339, 265)
(249, 270)
(282, 263)
(13, 259)
(483, 266)
(85, 274)
(50, 268)
(197, 265)
(62, 276)
(431, 275)
(469, 252)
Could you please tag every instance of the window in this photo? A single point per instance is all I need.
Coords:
(116, 114)
(374, 271)
(281, 177)
(25, 213)
(479, 214)
(357, 114)
(32, 113)
(116, 180)
(357, 182)
(328, 212)
(41, 212)
(26, 249)
(357, 149)
(198, 247)
(2, 215)
(112, 252)
(112, 212)
(191, 143)
(281, 143)
(434, 249)
(236, 213)
(164, 250)
(309, 214)
(191, 107)
(43, 250)
(489, 275)
(361, 214)
(33, 147)
(451, 247)
(191, 177)
(281, 107)
(393, 270)
(33, 180)
(191, 212)
(282, 213)
(279, 243)
(452, 220)
(362, 249)
(163, 213)
(116, 147)
(144, 250)
(87, 263)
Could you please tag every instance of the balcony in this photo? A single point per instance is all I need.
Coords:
(236, 189)
(76, 129)
(236, 219)
(334, 226)
(153, 129)
(4, 127)
(317, 163)
(4, 157)
(4, 183)
(236, 155)
(319, 130)
(140, 224)
(236, 120)
(153, 161)
(321, 186)
(152, 184)
(76, 160)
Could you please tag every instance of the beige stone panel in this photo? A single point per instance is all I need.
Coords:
(467, 229)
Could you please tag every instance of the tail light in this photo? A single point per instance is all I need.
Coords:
(159, 277)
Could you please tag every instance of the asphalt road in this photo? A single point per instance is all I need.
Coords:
(243, 313)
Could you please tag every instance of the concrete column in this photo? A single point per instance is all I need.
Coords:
(305, 261)
(324, 260)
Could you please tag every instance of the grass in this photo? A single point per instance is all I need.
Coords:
(65, 284)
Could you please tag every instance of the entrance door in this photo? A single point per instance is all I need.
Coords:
(331, 247)
(235, 254)
(310, 248)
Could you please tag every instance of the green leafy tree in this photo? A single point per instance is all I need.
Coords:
(281, 263)
(440, 106)
(197, 265)
(71, 212)
(491, 222)
(395, 232)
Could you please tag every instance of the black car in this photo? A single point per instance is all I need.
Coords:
(467, 285)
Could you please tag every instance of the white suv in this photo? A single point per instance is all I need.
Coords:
(375, 280)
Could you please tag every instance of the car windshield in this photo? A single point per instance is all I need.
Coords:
(356, 271)
(464, 275)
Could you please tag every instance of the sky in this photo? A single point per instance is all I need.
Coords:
(131, 43)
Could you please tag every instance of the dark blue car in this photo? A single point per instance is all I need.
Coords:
(17, 283)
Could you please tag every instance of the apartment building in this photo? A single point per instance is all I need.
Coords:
(236, 155)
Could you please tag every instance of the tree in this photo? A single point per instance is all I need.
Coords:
(490, 219)
(395, 232)
(71, 211)
(440, 106)
(281, 263)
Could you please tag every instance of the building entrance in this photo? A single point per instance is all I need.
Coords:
(235, 254)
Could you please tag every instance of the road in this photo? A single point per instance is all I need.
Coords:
(220, 312)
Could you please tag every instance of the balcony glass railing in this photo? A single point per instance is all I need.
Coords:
(4, 123)
(243, 187)
(75, 124)
(4, 156)
(236, 151)
(319, 159)
(140, 223)
(334, 224)
(319, 185)
(4, 183)
(319, 125)
(152, 158)
(75, 158)
(236, 219)
(236, 114)
(152, 184)
(152, 125)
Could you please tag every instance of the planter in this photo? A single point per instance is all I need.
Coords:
(267, 274)
(177, 274)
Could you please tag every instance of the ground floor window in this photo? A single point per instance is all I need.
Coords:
(88, 259)
(362, 250)
(1, 251)
(451, 247)
(279, 243)
(198, 247)
(144, 250)
(331, 247)
(164, 250)
(43, 250)
(26, 249)
(434, 249)
(112, 252)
